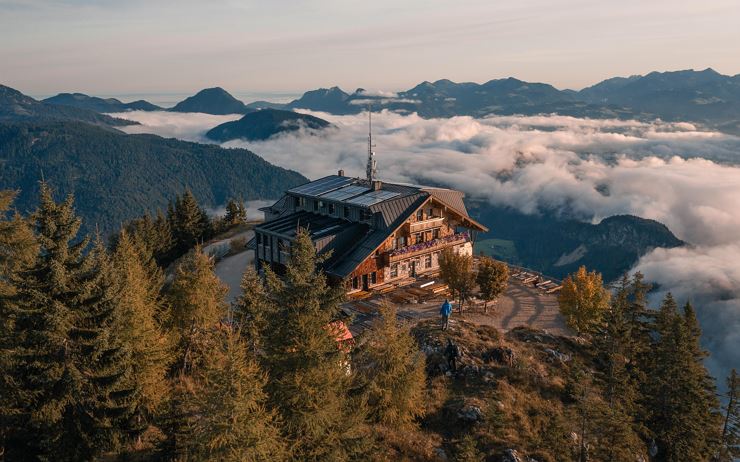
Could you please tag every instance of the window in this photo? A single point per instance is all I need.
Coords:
(315, 206)
(419, 215)
(331, 208)
(346, 212)
(355, 283)
(435, 233)
(365, 214)
(322, 205)
(418, 238)
(296, 202)
(373, 278)
(394, 270)
(428, 261)
(430, 214)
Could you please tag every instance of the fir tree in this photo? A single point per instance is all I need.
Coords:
(730, 438)
(72, 368)
(190, 223)
(17, 251)
(252, 308)
(611, 340)
(236, 213)
(680, 409)
(391, 370)
(143, 309)
(232, 422)
(104, 398)
(308, 377)
(196, 294)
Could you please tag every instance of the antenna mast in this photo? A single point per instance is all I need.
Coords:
(371, 169)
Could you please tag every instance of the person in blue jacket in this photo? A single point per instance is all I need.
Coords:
(446, 311)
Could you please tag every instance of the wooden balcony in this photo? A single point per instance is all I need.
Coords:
(426, 247)
(424, 225)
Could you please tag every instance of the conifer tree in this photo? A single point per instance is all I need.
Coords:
(252, 308)
(190, 223)
(197, 294)
(72, 370)
(143, 310)
(492, 279)
(730, 438)
(104, 398)
(680, 411)
(391, 370)
(308, 377)
(17, 251)
(236, 213)
(231, 420)
(196, 297)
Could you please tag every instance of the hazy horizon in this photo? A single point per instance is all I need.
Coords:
(290, 46)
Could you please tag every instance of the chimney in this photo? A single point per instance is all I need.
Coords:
(376, 185)
(340, 172)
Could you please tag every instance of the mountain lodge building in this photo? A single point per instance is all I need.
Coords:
(378, 233)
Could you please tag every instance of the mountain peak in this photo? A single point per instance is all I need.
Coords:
(213, 100)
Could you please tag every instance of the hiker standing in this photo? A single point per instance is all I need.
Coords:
(452, 352)
(446, 311)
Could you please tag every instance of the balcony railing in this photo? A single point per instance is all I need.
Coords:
(429, 246)
(430, 223)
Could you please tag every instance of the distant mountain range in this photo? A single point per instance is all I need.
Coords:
(96, 104)
(15, 106)
(116, 176)
(212, 101)
(265, 123)
(705, 97)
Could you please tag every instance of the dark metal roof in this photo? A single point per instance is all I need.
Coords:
(365, 247)
(450, 197)
(318, 226)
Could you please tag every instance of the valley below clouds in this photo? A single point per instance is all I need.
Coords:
(679, 174)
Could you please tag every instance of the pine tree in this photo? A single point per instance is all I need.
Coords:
(308, 377)
(611, 340)
(196, 294)
(143, 309)
(190, 223)
(680, 409)
(72, 370)
(730, 438)
(105, 389)
(492, 279)
(236, 213)
(252, 308)
(583, 299)
(391, 369)
(232, 422)
(17, 250)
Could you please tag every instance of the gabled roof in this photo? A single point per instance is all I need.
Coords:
(393, 202)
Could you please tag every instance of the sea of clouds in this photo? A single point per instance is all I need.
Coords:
(681, 175)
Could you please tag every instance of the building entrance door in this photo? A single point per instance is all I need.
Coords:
(365, 285)
(412, 268)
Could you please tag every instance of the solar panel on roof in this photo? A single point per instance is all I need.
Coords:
(372, 198)
(345, 193)
(321, 186)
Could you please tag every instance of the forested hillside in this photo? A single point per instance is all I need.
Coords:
(115, 176)
(103, 358)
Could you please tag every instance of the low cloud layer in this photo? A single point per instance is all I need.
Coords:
(676, 173)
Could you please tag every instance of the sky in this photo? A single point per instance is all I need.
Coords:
(113, 47)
